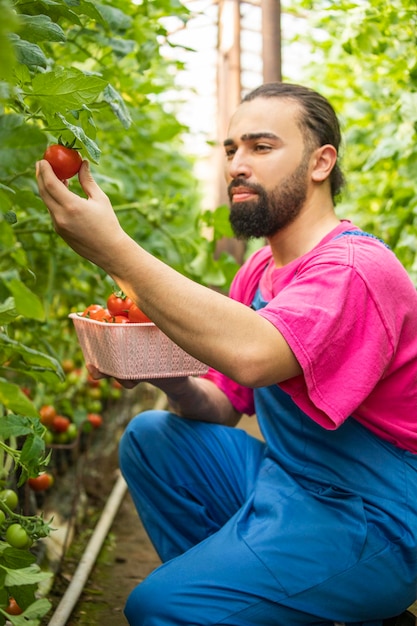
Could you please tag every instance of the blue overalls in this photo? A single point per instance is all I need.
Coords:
(314, 528)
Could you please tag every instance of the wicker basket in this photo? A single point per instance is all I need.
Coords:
(133, 351)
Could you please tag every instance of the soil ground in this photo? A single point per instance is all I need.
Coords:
(127, 555)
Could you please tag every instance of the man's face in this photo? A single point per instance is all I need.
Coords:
(267, 167)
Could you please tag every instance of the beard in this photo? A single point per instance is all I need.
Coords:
(270, 211)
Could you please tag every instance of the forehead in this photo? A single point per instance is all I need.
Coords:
(280, 116)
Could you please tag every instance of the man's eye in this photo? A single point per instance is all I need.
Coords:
(229, 152)
(262, 147)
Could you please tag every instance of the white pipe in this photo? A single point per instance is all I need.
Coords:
(80, 577)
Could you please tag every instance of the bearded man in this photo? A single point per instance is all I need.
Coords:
(316, 524)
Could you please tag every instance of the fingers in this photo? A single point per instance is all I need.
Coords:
(87, 182)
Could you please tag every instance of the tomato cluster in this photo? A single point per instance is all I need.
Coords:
(61, 429)
(119, 309)
(15, 534)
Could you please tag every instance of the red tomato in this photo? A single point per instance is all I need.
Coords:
(118, 304)
(92, 308)
(136, 315)
(120, 319)
(95, 420)
(101, 315)
(65, 162)
(60, 424)
(13, 608)
(48, 414)
(42, 482)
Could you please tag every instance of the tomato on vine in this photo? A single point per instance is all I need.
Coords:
(95, 419)
(42, 482)
(10, 498)
(48, 414)
(64, 160)
(61, 424)
(17, 536)
(13, 608)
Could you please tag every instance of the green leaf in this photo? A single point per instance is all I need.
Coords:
(117, 105)
(31, 357)
(8, 23)
(7, 311)
(27, 303)
(21, 144)
(37, 28)
(14, 558)
(24, 576)
(65, 89)
(28, 53)
(90, 145)
(13, 398)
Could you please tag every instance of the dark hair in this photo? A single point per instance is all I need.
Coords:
(317, 117)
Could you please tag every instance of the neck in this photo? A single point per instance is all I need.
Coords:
(302, 235)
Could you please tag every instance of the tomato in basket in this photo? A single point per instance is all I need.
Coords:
(118, 303)
(136, 315)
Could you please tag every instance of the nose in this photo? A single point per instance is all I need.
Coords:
(237, 166)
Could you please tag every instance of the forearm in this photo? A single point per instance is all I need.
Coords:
(199, 399)
(218, 331)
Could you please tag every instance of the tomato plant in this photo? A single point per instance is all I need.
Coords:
(64, 160)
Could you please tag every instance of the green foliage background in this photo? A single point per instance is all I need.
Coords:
(363, 57)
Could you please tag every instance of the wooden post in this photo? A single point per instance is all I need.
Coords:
(271, 40)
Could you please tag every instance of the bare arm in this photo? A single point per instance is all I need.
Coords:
(215, 329)
(200, 399)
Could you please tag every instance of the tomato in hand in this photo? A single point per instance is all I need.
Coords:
(136, 315)
(42, 482)
(65, 161)
(118, 304)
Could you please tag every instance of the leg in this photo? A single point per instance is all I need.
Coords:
(216, 582)
(186, 478)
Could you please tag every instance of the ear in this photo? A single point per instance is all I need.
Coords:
(324, 160)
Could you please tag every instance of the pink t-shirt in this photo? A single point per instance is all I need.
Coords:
(348, 310)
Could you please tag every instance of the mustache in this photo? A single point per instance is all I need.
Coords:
(236, 182)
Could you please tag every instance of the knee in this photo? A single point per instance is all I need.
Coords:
(144, 606)
(141, 433)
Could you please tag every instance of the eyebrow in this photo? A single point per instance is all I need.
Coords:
(252, 137)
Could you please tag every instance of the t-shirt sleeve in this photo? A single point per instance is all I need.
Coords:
(335, 327)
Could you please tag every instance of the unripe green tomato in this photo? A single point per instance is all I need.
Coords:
(17, 536)
(10, 498)
(2, 517)
(72, 432)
